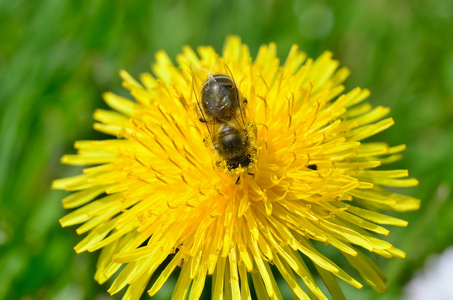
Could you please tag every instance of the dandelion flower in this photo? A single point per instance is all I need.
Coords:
(156, 194)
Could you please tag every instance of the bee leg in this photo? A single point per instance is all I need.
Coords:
(238, 180)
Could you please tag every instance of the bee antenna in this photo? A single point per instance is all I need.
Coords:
(208, 72)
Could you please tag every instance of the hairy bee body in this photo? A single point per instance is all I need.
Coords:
(222, 110)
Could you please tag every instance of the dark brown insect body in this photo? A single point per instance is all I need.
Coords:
(222, 110)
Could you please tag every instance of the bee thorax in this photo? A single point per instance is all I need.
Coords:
(231, 144)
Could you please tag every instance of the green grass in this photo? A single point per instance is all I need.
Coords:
(57, 57)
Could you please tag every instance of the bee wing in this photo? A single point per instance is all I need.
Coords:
(238, 98)
(211, 126)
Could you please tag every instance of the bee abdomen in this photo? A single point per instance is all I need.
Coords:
(219, 98)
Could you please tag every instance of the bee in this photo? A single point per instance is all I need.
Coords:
(223, 112)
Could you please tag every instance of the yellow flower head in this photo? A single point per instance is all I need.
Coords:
(167, 191)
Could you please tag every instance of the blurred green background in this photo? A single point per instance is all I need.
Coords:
(57, 57)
